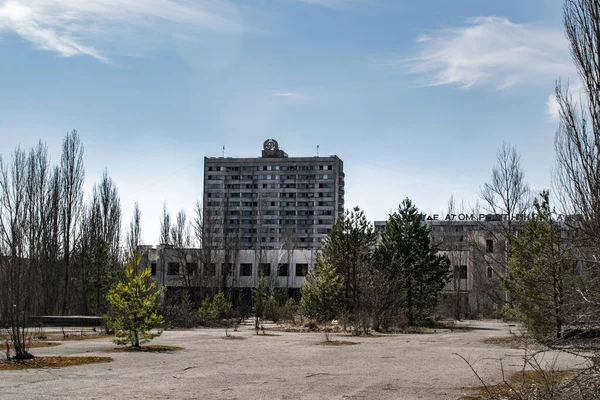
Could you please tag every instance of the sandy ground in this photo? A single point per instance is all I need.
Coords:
(288, 366)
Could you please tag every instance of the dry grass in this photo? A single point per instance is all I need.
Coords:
(146, 349)
(51, 362)
(370, 335)
(530, 384)
(337, 343)
(81, 337)
(232, 337)
(515, 342)
(33, 345)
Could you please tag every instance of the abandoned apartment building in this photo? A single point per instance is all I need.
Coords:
(267, 217)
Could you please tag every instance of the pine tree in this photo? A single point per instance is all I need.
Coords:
(543, 278)
(347, 249)
(134, 306)
(408, 258)
(321, 293)
(216, 308)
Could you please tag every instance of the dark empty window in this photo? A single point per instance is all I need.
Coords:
(282, 270)
(227, 269)
(210, 269)
(460, 271)
(301, 269)
(153, 269)
(490, 272)
(190, 268)
(173, 268)
(245, 269)
(265, 269)
(489, 246)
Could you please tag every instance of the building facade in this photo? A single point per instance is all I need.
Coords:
(271, 202)
(202, 272)
(476, 249)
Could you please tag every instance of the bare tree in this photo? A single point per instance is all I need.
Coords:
(100, 244)
(208, 232)
(134, 234)
(72, 177)
(184, 254)
(578, 137)
(165, 226)
(507, 194)
(507, 199)
(452, 238)
(15, 267)
(180, 232)
(577, 142)
(38, 181)
(106, 212)
(50, 273)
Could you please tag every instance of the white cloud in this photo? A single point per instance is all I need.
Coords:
(576, 91)
(294, 97)
(491, 51)
(552, 108)
(82, 27)
(338, 4)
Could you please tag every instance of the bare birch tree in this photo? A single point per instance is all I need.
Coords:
(577, 143)
(16, 274)
(165, 226)
(134, 234)
(506, 199)
(72, 177)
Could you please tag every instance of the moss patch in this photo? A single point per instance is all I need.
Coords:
(232, 337)
(51, 362)
(337, 343)
(146, 349)
(515, 342)
(521, 382)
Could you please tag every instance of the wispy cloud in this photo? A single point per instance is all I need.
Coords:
(337, 4)
(294, 96)
(490, 51)
(308, 96)
(83, 27)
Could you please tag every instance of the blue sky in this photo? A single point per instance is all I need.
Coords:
(415, 97)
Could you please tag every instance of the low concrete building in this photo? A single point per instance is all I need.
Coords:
(476, 248)
(201, 272)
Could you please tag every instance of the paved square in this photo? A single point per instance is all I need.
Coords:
(288, 366)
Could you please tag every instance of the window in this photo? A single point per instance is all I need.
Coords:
(153, 269)
(245, 269)
(173, 268)
(460, 271)
(301, 269)
(282, 270)
(210, 269)
(227, 269)
(190, 268)
(490, 272)
(489, 246)
(265, 270)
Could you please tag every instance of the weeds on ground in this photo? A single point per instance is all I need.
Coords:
(51, 362)
(541, 381)
(146, 349)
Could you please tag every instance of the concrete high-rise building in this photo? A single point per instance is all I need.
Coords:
(273, 201)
